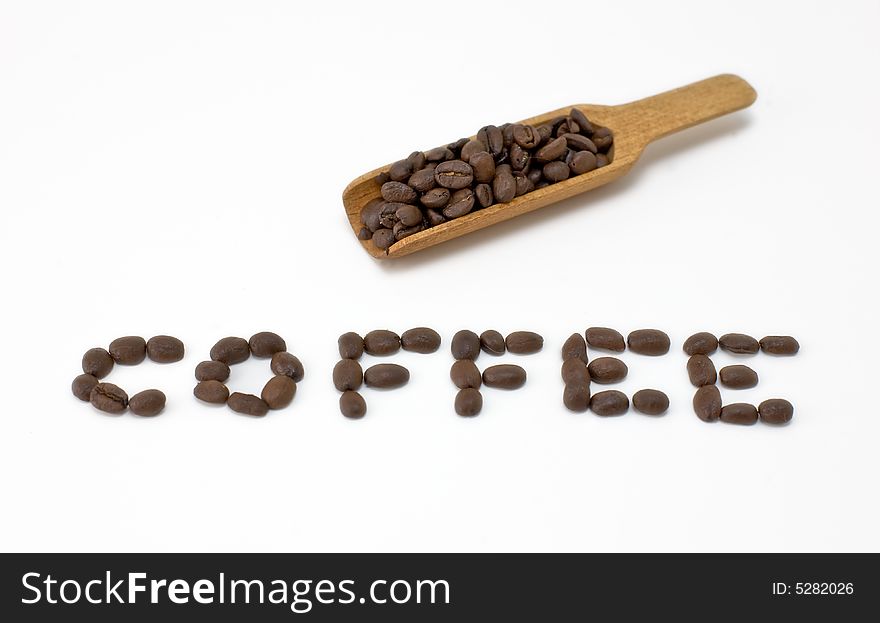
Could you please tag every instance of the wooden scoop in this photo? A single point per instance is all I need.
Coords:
(634, 125)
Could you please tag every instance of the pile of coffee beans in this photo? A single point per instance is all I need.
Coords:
(129, 350)
(466, 376)
(348, 376)
(500, 163)
(701, 371)
(277, 393)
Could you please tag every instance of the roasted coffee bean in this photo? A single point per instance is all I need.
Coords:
(416, 160)
(526, 136)
(211, 391)
(97, 362)
(468, 402)
(454, 174)
(109, 398)
(483, 193)
(212, 371)
(351, 345)
(610, 402)
(739, 343)
(383, 238)
(436, 198)
(701, 371)
(650, 402)
(461, 202)
(601, 160)
(470, 148)
(386, 376)
(575, 348)
(503, 186)
(605, 339)
(365, 234)
(439, 154)
(581, 119)
(266, 344)
(464, 373)
(421, 181)
(492, 138)
(279, 391)
(523, 342)
(434, 218)
(456, 147)
(578, 142)
(287, 365)
(707, 403)
(382, 178)
(483, 166)
(465, 345)
(575, 371)
(556, 171)
(605, 370)
(165, 349)
(398, 192)
(247, 404)
(402, 231)
(702, 343)
(420, 340)
(352, 405)
(82, 386)
(388, 214)
(492, 342)
(523, 183)
(381, 342)
(648, 342)
(582, 162)
(408, 215)
(778, 345)
(231, 350)
(347, 374)
(129, 350)
(400, 171)
(739, 413)
(776, 411)
(576, 396)
(602, 138)
(738, 377)
(504, 376)
(554, 150)
(147, 403)
(370, 213)
(545, 132)
(535, 176)
(519, 157)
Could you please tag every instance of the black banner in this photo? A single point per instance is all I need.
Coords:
(434, 587)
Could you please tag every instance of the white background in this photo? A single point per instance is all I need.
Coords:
(176, 167)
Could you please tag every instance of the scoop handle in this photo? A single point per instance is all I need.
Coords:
(665, 113)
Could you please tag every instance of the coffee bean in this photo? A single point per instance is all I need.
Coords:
(701, 371)
(352, 405)
(492, 138)
(575, 371)
(464, 373)
(287, 365)
(97, 362)
(470, 148)
(347, 374)
(266, 344)
(398, 192)
(211, 391)
(421, 181)
(408, 215)
(524, 342)
(164, 349)
(779, 345)
(605, 370)
(461, 202)
(468, 402)
(610, 402)
(383, 238)
(439, 154)
(454, 174)
(436, 198)
(702, 343)
(648, 342)
(279, 391)
(420, 340)
(739, 413)
(739, 343)
(381, 342)
(109, 398)
(602, 138)
(519, 158)
(82, 386)
(351, 345)
(247, 404)
(212, 371)
(523, 183)
(650, 402)
(581, 119)
(738, 377)
(576, 396)
(483, 167)
(400, 171)
(601, 160)
(386, 376)
(465, 345)
(554, 150)
(483, 194)
(147, 403)
(231, 350)
(579, 142)
(556, 171)
(129, 350)
(492, 342)
(416, 160)
(605, 339)
(582, 162)
(575, 348)
(370, 213)
(434, 218)
(504, 376)
(365, 234)
(707, 403)
(503, 185)
(776, 411)
(526, 136)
